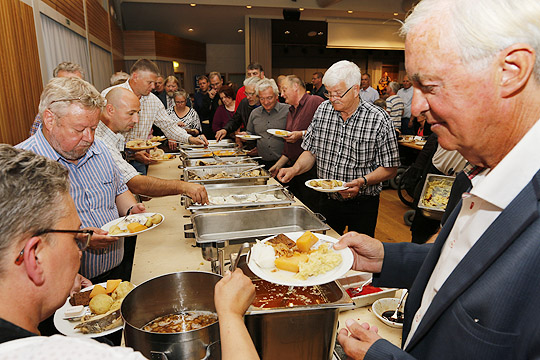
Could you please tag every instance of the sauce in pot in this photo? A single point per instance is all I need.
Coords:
(268, 295)
(177, 323)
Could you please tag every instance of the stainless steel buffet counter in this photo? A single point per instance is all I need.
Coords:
(165, 249)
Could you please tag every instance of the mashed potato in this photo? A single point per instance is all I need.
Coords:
(264, 255)
(320, 261)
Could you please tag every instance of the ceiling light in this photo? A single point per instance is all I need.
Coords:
(190, 29)
(248, 6)
(350, 11)
(396, 14)
(312, 33)
(192, 4)
(301, 9)
(287, 32)
(320, 33)
(240, 30)
(175, 64)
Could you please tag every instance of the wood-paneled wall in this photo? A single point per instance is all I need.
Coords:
(72, 9)
(155, 44)
(98, 21)
(20, 72)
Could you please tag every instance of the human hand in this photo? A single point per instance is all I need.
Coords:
(80, 283)
(199, 140)
(220, 134)
(233, 294)
(353, 188)
(286, 174)
(361, 337)
(181, 124)
(212, 93)
(137, 208)
(274, 170)
(293, 136)
(192, 132)
(253, 152)
(143, 157)
(368, 252)
(197, 193)
(100, 239)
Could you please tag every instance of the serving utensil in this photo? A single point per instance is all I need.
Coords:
(244, 196)
(394, 316)
(235, 264)
(250, 169)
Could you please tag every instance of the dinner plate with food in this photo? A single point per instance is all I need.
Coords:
(160, 155)
(248, 136)
(326, 185)
(299, 259)
(140, 144)
(278, 132)
(94, 311)
(158, 138)
(133, 224)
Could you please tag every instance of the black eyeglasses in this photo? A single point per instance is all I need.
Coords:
(82, 244)
(335, 96)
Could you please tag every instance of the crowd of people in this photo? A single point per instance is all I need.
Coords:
(74, 174)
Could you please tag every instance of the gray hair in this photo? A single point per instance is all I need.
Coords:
(482, 28)
(265, 84)
(32, 189)
(252, 81)
(394, 86)
(342, 71)
(119, 78)
(181, 92)
(62, 92)
(68, 67)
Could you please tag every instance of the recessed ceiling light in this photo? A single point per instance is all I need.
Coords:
(287, 32)
(248, 6)
(312, 33)
(190, 29)
(240, 30)
(396, 14)
(301, 9)
(350, 11)
(320, 33)
(192, 4)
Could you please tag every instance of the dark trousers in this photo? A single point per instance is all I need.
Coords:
(359, 213)
(307, 196)
(405, 129)
(140, 167)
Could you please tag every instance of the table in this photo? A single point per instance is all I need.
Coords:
(410, 144)
(165, 249)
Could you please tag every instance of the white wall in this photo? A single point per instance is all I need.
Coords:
(225, 58)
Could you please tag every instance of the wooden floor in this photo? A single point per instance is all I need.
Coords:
(390, 224)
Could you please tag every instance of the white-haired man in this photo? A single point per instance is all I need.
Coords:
(457, 50)
(394, 104)
(270, 115)
(349, 140)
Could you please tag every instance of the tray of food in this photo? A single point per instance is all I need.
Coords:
(235, 197)
(240, 174)
(94, 311)
(359, 288)
(435, 194)
(140, 144)
(237, 160)
(194, 153)
(252, 224)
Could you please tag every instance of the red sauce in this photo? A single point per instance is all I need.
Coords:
(368, 289)
(269, 295)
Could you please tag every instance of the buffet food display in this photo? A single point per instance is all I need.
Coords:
(435, 194)
(244, 174)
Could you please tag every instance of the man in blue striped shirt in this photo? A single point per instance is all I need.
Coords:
(70, 108)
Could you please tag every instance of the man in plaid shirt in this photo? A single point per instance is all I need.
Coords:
(353, 141)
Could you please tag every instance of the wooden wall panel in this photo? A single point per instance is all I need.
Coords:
(98, 21)
(119, 64)
(117, 38)
(20, 71)
(139, 43)
(72, 9)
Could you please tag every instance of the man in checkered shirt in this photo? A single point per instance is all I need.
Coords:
(141, 82)
(353, 141)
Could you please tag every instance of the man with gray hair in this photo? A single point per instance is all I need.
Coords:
(70, 108)
(352, 141)
(64, 69)
(394, 104)
(457, 50)
(271, 115)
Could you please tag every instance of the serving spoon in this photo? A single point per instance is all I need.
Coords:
(244, 196)
(250, 169)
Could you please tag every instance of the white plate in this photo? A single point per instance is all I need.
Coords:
(288, 278)
(335, 189)
(248, 137)
(116, 221)
(67, 327)
(274, 132)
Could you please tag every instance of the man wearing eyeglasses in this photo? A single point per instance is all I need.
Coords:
(352, 141)
(70, 109)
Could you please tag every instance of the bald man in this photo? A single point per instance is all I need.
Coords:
(120, 115)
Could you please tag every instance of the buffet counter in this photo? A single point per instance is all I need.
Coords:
(165, 249)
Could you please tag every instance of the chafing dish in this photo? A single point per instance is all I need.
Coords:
(234, 161)
(212, 144)
(193, 153)
(222, 190)
(229, 171)
(437, 189)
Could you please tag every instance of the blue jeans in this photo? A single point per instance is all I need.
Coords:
(140, 167)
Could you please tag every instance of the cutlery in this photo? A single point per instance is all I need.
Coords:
(394, 316)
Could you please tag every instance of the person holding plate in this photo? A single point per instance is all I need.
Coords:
(352, 141)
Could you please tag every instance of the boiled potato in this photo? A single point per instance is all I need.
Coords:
(148, 222)
(113, 230)
(122, 290)
(156, 218)
(100, 304)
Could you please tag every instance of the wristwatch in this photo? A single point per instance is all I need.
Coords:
(365, 185)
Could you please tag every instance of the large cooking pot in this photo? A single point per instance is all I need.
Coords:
(167, 294)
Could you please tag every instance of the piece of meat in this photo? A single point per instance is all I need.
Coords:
(80, 298)
(101, 323)
(282, 239)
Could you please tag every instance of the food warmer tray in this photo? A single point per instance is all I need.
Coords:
(190, 163)
(285, 198)
(248, 225)
(207, 153)
(435, 212)
(230, 170)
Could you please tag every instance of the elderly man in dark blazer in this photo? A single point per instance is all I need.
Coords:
(474, 292)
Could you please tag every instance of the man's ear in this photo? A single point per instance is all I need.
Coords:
(33, 261)
(517, 64)
(48, 119)
(110, 109)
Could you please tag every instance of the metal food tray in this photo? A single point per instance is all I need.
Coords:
(189, 163)
(230, 170)
(368, 299)
(278, 191)
(211, 145)
(435, 212)
(207, 153)
(252, 224)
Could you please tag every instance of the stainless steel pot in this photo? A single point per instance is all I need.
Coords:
(167, 294)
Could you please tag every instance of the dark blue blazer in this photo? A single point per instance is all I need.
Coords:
(489, 307)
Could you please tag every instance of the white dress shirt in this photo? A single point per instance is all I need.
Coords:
(369, 95)
(406, 96)
(493, 190)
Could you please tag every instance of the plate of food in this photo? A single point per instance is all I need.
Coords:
(326, 185)
(248, 136)
(140, 144)
(299, 259)
(159, 155)
(94, 311)
(133, 224)
(278, 132)
(158, 138)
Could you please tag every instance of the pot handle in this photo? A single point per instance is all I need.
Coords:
(213, 351)
(158, 355)
(320, 217)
